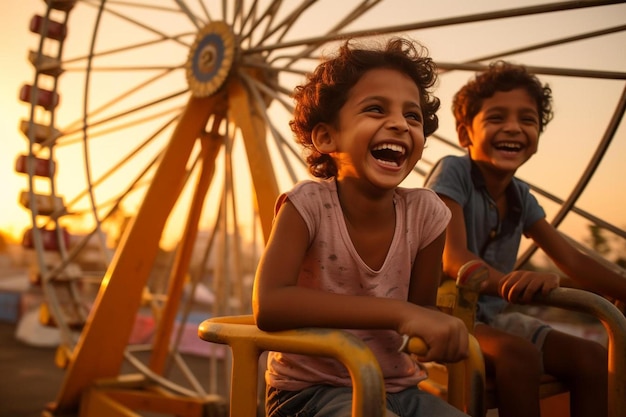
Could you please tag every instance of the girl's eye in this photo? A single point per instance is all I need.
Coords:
(414, 116)
(530, 120)
(375, 109)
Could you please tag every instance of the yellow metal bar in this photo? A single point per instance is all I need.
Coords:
(96, 403)
(124, 402)
(615, 324)
(161, 345)
(475, 389)
(417, 346)
(469, 279)
(158, 402)
(456, 385)
(248, 342)
(462, 391)
(99, 352)
(253, 130)
(465, 380)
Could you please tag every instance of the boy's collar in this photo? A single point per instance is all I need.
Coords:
(477, 176)
(512, 193)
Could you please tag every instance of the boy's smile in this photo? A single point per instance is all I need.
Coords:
(379, 134)
(505, 132)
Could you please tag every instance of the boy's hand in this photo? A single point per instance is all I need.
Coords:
(521, 286)
(445, 335)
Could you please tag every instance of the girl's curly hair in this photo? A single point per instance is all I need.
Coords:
(325, 91)
(501, 76)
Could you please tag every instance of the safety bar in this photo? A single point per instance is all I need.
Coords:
(615, 324)
(248, 342)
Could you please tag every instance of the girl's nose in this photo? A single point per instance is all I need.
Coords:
(398, 122)
(512, 125)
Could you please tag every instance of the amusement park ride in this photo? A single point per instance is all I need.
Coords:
(174, 108)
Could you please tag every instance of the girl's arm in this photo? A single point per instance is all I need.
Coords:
(279, 304)
(425, 280)
(583, 269)
(425, 277)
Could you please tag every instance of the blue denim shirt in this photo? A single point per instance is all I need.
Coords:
(494, 240)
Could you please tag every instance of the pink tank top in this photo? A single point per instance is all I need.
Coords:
(332, 264)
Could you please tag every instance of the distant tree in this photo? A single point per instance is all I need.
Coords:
(621, 256)
(612, 248)
(597, 240)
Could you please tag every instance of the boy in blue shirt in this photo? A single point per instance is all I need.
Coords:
(499, 117)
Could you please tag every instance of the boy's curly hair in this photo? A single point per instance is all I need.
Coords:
(501, 76)
(325, 91)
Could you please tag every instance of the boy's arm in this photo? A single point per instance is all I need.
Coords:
(280, 304)
(515, 287)
(585, 271)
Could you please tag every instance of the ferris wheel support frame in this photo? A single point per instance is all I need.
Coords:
(100, 349)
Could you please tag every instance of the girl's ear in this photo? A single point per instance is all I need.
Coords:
(323, 138)
(463, 135)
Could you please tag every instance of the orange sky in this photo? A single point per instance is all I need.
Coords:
(581, 112)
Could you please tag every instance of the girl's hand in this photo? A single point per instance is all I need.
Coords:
(521, 286)
(445, 335)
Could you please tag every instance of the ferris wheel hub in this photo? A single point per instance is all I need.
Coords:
(210, 59)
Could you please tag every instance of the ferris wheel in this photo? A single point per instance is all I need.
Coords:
(158, 141)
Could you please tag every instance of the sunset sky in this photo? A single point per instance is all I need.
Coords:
(582, 107)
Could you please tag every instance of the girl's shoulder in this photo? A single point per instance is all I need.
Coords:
(421, 199)
(309, 194)
(313, 186)
(417, 194)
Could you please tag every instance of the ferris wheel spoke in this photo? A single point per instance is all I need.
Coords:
(121, 114)
(238, 14)
(205, 10)
(135, 4)
(283, 27)
(127, 93)
(139, 24)
(247, 20)
(195, 20)
(257, 22)
(357, 12)
(73, 137)
(547, 44)
(79, 63)
(132, 183)
(271, 91)
(254, 87)
(275, 68)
